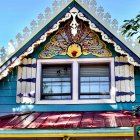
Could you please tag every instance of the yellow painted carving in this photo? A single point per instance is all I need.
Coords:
(74, 50)
(85, 42)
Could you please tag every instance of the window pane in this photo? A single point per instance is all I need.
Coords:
(84, 87)
(94, 87)
(94, 81)
(94, 78)
(56, 82)
(104, 79)
(66, 88)
(104, 87)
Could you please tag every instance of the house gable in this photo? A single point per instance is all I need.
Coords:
(72, 16)
(72, 74)
(98, 27)
(72, 48)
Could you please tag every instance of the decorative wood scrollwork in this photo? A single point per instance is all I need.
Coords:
(84, 42)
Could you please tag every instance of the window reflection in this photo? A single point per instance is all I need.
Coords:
(94, 81)
(56, 82)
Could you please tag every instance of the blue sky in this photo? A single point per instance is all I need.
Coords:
(16, 14)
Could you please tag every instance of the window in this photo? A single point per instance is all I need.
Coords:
(75, 81)
(94, 81)
(56, 84)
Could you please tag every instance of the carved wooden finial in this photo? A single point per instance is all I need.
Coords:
(3, 53)
(74, 23)
(100, 12)
(107, 17)
(40, 20)
(114, 24)
(33, 25)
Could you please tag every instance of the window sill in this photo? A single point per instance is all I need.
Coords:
(99, 101)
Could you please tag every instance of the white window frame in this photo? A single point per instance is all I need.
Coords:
(75, 92)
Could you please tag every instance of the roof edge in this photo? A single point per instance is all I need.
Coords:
(96, 132)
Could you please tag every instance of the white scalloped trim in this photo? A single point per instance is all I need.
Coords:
(50, 13)
(107, 39)
(31, 48)
(55, 28)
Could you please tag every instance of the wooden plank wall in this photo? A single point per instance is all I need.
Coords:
(8, 99)
(8, 87)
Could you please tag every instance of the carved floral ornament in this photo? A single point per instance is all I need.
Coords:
(75, 41)
(42, 39)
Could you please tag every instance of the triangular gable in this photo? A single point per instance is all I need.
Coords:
(85, 42)
(72, 10)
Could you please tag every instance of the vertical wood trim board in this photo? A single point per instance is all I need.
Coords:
(124, 78)
(26, 81)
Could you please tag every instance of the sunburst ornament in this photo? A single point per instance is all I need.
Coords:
(85, 42)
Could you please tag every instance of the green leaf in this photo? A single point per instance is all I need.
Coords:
(128, 27)
(132, 27)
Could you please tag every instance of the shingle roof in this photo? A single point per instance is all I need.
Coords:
(69, 120)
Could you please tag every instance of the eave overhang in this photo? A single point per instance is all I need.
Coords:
(41, 133)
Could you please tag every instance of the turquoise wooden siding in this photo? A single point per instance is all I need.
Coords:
(8, 95)
(8, 100)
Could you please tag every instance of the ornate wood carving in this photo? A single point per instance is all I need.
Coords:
(84, 42)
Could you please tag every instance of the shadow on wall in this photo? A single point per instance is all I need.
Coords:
(23, 108)
(68, 108)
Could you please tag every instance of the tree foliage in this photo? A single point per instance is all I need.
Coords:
(132, 27)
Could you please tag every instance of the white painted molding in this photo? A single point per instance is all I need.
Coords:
(74, 23)
(125, 85)
(75, 78)
(26, 90)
